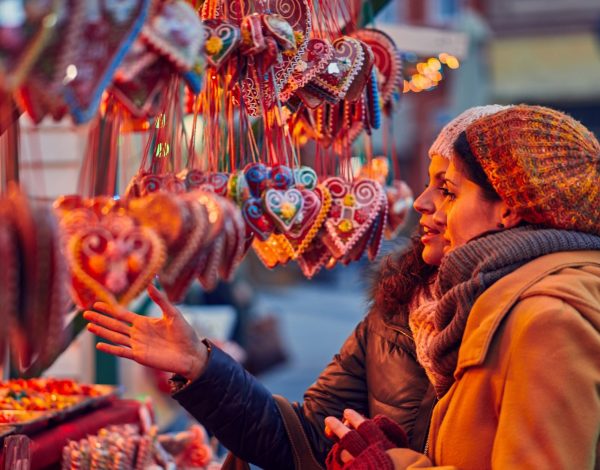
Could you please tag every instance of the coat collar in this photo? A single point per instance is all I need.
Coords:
(494, 304)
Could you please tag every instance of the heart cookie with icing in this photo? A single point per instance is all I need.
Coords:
(221, 39)
(176, 33)
(315, 59)
(113, 263)
(346, 63)
(354, 208)
(284, 207)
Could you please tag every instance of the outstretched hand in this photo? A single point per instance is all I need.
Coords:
(168, 343)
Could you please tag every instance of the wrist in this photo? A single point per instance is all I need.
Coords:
(197, 361)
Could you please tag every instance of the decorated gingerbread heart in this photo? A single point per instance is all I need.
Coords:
(176, 33)
(216, 183)
(150, 183)
(143, 95)
(257, 176)
(193, 179)
(399, 201)
(41, 93)
(25, 27)
(210, 262)
(387, 60)
(380, 227)
(253, 39)
(305, 177)
(314, 257)
(370, 241)
(96, 51)
(234, 239)
(297, 14)
(214, 212)
(346, 63)
(161, 212)
(283, 206)
(110, 265)
(313, 203)
(281, 177)
(278, 28)
(237, 189)
(363, 73)
(317, 203)
(180, 267)
(221, 39)
(274, 251)
(212, 255)
(9, 274)
(315, 59)
(257, 219)
(354, 208)
(261, 85)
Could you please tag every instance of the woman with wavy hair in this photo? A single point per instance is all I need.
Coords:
(511, 339)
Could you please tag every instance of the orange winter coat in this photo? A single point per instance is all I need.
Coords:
(527, 390)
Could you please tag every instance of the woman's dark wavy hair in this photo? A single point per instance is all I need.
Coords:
(399, 278)
(470, 166)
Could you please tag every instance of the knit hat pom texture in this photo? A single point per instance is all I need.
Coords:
(542, 163)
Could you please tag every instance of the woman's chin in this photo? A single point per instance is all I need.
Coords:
(432, 254)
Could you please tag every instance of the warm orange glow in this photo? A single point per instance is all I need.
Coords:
(452, 62)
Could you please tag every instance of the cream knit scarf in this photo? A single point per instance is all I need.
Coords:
(438, 322)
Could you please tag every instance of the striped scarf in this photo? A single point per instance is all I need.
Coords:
(438, 323)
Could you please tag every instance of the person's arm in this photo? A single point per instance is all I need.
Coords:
(221, 394)
(550, 410)
(239, 411)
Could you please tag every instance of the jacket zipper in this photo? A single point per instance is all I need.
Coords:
(426, 448)
(397, 329)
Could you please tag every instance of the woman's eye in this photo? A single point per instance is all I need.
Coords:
(447, 194)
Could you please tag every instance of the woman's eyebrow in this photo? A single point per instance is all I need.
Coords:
(449, 181)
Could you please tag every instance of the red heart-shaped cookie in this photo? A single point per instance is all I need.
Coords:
(346, 63)
(113, 262)
(387, 61)
(313, 62)
(354, 208)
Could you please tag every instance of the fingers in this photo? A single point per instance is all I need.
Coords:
(336, 426)
(115, 350)
(346, 456)
(160, 299)
(115, 311)
(109, 335)
(354, 419)
(106, 321)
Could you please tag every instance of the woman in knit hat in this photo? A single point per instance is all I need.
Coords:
(512, 344)
(358, 375)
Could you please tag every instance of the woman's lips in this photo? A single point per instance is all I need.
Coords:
(429, 234)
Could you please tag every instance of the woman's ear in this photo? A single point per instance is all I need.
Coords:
(509, 216)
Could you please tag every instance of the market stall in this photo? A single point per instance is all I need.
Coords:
(222, 98)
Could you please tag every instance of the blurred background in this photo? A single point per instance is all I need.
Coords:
(456, 54)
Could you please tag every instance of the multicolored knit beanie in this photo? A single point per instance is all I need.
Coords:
(542, 163)
(444, 143)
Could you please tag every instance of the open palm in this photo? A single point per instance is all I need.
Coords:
(168, 343)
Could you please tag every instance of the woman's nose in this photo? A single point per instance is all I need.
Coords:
(440, 214)
(424, 203)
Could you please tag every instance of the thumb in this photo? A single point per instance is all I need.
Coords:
(160, 299)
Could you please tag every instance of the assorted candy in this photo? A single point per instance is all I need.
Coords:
(43, 395)
(126, 447)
